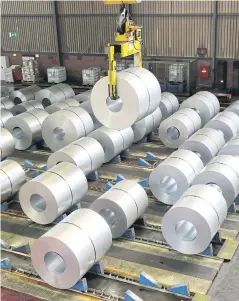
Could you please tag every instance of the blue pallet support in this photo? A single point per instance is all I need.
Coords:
(130, 296)
(208, 251)
(73, 208)
(217, 237)
(4, 245)
(232, 208)
(60, 218)
(125, 153)
(4, 206)
(141, 221)
(182, 289)
(144, 183)
(29, 164)
(108, 186)
(98, 268)
(144, 140)
(148, 280)
(116, 159)
(129, 233)
(23, 248)
(119, 178)
(93, 176)
(142, 162)
(44, 168)
(6, 264)
(237, 199)
(81, 286)
(33, 147)
(151, 156)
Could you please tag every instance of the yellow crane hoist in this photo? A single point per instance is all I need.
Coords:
(127, 42)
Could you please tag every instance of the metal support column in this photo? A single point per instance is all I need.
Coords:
(57, 32)
(214, 39)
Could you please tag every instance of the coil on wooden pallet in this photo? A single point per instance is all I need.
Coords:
(177, 128)
(12, 177)
(70, 102)
(6, 103)
(7, 144)
(171, 178)
(191, 223)
(86, 153)
(58, 257)
(65, 126)
(121, 206)
(26, 127)
(26, 106)
(231, 148)
(168, 105)
(113, 141)
(4, 115)
(49, 195)
(24, 94)
(222, 171)
(206, 142)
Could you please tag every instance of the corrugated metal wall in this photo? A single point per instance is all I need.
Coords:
(170, 28)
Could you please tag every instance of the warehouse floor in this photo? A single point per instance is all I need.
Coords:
(226, 285)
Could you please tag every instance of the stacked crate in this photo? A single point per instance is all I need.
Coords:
(30, 71)
(8, 72)
(90, 76)
(177, 77)
(56, 74)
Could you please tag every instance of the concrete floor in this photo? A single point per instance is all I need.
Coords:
(226, 284)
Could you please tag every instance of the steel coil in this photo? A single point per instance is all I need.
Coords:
(170, 179)
(26, 127)
(67, 90)
(7, 144)
(234, 107)
(70, 102)
(50, 95)
(190, 225)
(5, 115)
(84, 96)
(121, 206)
(87, 106)
(177, 128)
(24, 94)
(113, 141)
(6, 90)
(6, 103)
(65, 126)
(60, 259)
(211, 98)
(26, 106)
(168, 105)
(12, 177)
(86, 153)
(49, 195)
(206, 142)
(231, 148)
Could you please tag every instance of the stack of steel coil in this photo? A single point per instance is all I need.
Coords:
(24, 94)
(7, 144)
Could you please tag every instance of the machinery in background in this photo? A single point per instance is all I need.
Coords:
(127, 42)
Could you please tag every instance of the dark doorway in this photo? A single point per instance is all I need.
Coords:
(235, 78)
(221, 75)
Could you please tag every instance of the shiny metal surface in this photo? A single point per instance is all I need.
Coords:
(70, 102)
(171, 178)
(177, 128)
(206, 142)
(168, 105)
(26, 106)
(6, 103)
(231, 148)
(65, 126)
(86, 153)
(24, 94)
(84, 96)
(67, 90)
(26, 127)
(12, 178)
(190, 225)
(4, 115)
(212, 99)
(50, 95)
(223, 171)
(234, 107)
(49, 195)
(87, 106)
(7, 144)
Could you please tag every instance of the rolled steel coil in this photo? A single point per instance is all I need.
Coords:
(190, 224)
(87, 106)
(211, 98)
(6, 90)
(82, 97)
(86, 153)
(65, 126)
(70, 102)
(58, 257)
(122, 113)
(227, 122)
(201, 105)
(170, 179)
(26, 106)
(49, 195)
(7, 144)
(67, 90)
(222, 171)
(147, 125)
(6, 103)
(231, 148)
(234, 107)
(26, 127)
(24, 94)
(177, 128)
(12, 177)
(113, 141)
(5, 115)
(168, 105)
(121, 206)
(206, 142)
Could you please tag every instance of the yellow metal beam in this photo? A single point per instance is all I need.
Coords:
(121, 1)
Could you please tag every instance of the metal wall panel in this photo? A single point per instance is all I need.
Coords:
(152, 7)
(26, 7)
(175, 36)
(228, 37)
(86, 34)
(229, 7)
(192, 7)
(34, 34)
